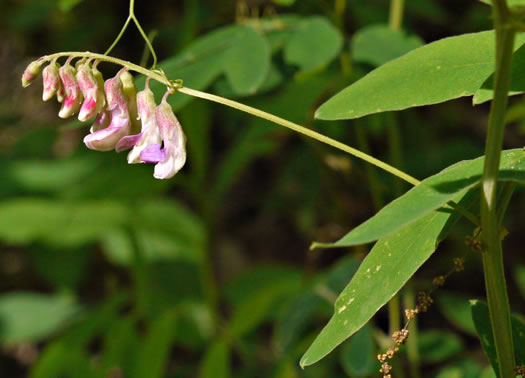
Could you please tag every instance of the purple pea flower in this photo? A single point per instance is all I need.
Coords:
(52, 83)
(106, 139)
(72, 94)
(94, 98)
(149, 134)
(169, 156)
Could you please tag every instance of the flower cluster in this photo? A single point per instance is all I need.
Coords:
(124, 118)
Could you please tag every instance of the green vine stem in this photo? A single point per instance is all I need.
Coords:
(132, 17)
(498, 302)
(159, 76)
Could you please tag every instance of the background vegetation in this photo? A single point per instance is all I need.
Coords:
(107, 272)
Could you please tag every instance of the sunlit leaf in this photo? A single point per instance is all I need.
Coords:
(429, 195)
(384, 271)
(32, 317)
(440, 71)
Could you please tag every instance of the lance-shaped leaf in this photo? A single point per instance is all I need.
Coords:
(481, 318)
(440, 71)
(429, 195)
(388, 266)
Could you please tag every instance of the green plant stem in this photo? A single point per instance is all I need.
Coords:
(409, 301)
(373, 184)
(132, 17)
(504, 200)
(396, 14)
(140, 272)
(498, 302)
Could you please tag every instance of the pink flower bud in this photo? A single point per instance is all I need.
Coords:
(51, 80)
(170, 159)
(149, 134)
(130, 91)
(94, 98)
(32, 71)
(72, 94)
(107, 138)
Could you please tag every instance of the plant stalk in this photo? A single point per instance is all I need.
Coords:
(498, 302)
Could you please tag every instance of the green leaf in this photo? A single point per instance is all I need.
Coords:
(378, 44)
(519, 276)
(60, 359)
(457, 311)
(388, 266)
(315, 43)
(121, 347)
(67, 5)
(247, 61)
(437, 346)
(440, 71)
(284, 3)
(510, 3)
(33, 317)
(517, 84)
(357, 355)
(154, 354)
(481, 318)
(429, 195)
(216, 363)
(60, 223)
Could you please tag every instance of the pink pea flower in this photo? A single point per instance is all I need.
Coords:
(32, 71)
(149, 133)
(106, 139)
(94, 98)
(169, 156)
(72, 94)
(51, 80)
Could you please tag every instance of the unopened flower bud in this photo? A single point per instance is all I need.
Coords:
(130, 91)
(94, 98)
(171, 158)
(72, 94)
(51, 79)
(32, 71)
(107, 138)
(149, 134)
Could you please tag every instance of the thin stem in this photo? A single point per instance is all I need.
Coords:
(147, 51)
(140, 272)
(409, 299)
(119, 36)
(396, 14)
(498, 302)
(302, 130)
(504, 200)
(146, 39)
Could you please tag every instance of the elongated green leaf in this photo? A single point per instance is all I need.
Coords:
(430, 195)
(480, 316)
(247, 61)
(388, 266)
(154, 353)
(216, 363)
(517, 84)
(32, 317)
(378, 44)
(315, 42)
(440, 71)
(511, 3)
(436, 346)
(357, 357)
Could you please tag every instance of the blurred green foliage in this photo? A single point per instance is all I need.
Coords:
(107, 272)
